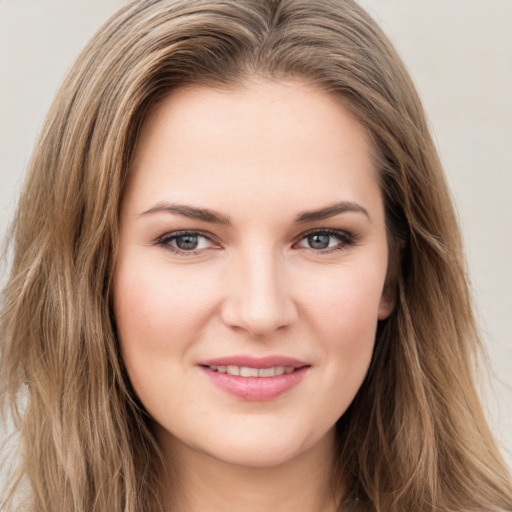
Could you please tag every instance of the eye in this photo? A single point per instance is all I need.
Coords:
(186, 242)
(326, 240)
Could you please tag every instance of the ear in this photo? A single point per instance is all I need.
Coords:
(389, 293)
(386, 304)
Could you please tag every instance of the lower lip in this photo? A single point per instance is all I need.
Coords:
(256, 388)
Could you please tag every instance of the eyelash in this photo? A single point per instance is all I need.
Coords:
(345, 240)
(166, 240)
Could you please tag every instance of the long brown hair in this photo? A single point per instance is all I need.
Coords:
(414, 439)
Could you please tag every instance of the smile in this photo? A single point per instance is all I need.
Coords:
(258, 379)
(247, 371)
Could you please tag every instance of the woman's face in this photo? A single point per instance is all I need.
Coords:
(252, 260)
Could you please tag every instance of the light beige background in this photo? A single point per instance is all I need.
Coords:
(459, 53)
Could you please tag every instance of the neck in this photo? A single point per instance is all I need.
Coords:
(203, 483)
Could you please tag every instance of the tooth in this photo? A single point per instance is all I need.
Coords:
(232, 370)
(266, 372)
(245, 371)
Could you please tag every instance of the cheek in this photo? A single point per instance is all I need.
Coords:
(344, 304)
(153, 304)
(344, 315)
(158, 317)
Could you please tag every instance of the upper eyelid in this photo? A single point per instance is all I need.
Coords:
(327, 231)
(207, 234)
(183, 232)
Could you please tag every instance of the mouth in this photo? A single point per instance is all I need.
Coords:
(247, 371)
(258, 379)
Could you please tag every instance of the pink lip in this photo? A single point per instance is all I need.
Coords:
(255, 388)
(254, 362)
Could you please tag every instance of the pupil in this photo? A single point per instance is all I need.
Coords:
(187, 242)
(318, 241)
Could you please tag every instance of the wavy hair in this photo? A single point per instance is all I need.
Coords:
(414, 438)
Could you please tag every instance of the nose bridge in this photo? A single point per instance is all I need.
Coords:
(258, 296)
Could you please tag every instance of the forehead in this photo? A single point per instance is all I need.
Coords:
(271, 138)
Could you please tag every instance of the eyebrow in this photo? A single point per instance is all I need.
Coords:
(191, 212)
(331, 211)
(213, 217)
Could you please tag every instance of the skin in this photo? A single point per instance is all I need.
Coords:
(259, 155)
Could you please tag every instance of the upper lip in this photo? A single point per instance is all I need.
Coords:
(255, 362)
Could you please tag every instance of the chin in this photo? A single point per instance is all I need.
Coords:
(263, 450)
(258, 455)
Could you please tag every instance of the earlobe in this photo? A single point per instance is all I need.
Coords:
(386, 306)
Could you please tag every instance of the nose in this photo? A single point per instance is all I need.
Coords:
(258, 297)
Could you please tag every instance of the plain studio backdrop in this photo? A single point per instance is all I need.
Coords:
(459, 53)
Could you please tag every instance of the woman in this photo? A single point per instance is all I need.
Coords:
(237, 278)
